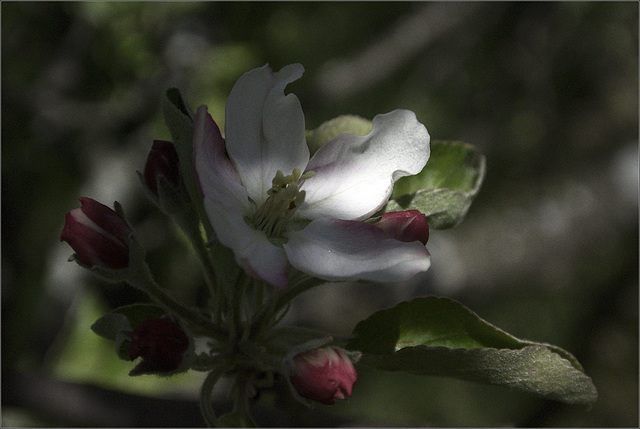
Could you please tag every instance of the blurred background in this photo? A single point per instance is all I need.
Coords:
(548, 252)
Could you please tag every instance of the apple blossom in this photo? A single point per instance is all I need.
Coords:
(276, 207)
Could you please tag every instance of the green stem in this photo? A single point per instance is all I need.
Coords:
(300, 285)
(274, 309)
(143, 280)
(238, 305)
(189, 222)
(241, 403)
(206, 403)
(205, 258)
(228, 276)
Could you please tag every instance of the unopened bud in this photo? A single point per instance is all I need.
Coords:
(323, 375)
(161, 162)
(98, 235)
(409, 225)
(160, 342)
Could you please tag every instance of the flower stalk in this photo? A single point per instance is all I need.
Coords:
(142, 279)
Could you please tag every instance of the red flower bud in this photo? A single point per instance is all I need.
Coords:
(409, 225)
(160, 342)
(162, 161)
(97, 234)
(323, 375)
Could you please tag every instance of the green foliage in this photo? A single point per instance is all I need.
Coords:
(179, 120)
(453, 165)
(438, 336)
(445, 188)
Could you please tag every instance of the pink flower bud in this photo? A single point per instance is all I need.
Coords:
(162, 161)
(409, 225)
(323, 375)
(160, 342)
(97, 234)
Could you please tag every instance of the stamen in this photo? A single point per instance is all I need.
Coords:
(284, 198)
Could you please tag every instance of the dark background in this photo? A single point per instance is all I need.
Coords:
(548, 252)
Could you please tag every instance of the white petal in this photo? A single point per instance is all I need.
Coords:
(264, 128)
(355, 174)
(226, 204)
(334, 249)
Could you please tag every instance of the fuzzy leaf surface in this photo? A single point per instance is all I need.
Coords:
(441, 337)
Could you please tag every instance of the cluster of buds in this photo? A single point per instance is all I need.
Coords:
(100, 237)
(306, 226)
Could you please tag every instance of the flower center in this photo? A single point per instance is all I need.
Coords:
(284, 198)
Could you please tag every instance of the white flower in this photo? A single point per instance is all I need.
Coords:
(275, 207)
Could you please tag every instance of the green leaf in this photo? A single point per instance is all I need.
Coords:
(179, 120)
(109, 325)
(180, 123)
(438, 336)
(445, 188)
(350, 124)
(175, 98)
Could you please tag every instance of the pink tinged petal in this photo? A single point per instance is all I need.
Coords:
(355, 174)
(265, 261)
(226, 204)
(264, 129)
(214, 171)
(334, 249)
